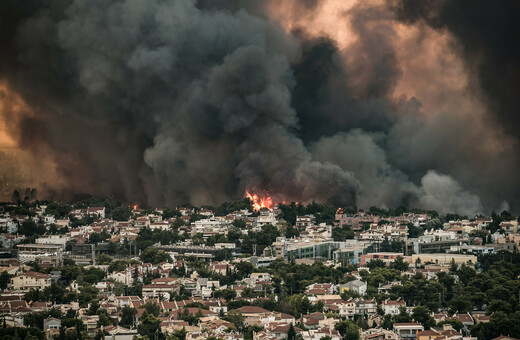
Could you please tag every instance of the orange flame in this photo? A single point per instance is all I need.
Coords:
(135, 207)
(260, 201)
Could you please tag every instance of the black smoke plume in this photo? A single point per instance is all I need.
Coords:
(487, 33)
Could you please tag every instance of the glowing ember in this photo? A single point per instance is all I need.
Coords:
(259, 201)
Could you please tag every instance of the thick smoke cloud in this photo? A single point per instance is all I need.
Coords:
(173, 103)
(440, 192)
(166, 102)
(383, 185)
(487, 36)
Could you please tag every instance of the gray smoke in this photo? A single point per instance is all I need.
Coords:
(442, 193)
(167, 102)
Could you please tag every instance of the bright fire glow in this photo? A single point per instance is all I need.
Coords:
(135, 207)
(260, 200)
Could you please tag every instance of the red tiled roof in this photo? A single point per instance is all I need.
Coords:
(427, 333)
(252, 309)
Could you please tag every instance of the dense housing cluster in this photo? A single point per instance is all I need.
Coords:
(99, 269)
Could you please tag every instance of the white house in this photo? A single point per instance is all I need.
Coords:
(124, 277)
(99, 211)
(266, 217)
(392, 307)
(357, 286)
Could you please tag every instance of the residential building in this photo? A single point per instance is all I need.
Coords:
(408, 330)
(356, 286)
(441, 259)
(385, 257)
(510, 227)
(266, 217)
(51, 323)
(48, 253)
(30, 280)
(304, 221)
(392, 307)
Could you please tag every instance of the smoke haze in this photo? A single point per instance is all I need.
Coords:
(350, 102)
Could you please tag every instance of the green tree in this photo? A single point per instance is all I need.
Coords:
(15, 333)
(466, 274)
(347, 329)
(104, 319)
(403, 315)
(34, 295)
(71, 314)
(36, 319)
(121, 213)
(342, 234)
(413, 231)
(154, 256)
(299, 305)
(399, 264)
(263, 238)
(149, 326)
(179, 334)
(228, 294)
(99, 237)
(56, 293)
(228, 207)
(93, 308)
(498, 324)
(386, 245)
(104, 259)
(234, 234)
(118, 266)
(59, 210)
(291, 333)
(291, 231)
(387, 322)
(244, 268)
(100, 335)
(93, 275)
(422, 314)
(236, 318)
(223, 254)
(377, 263)
(152, 308)
(128, 316)
(169, 213)
(239, 224)
(5, 278)
(189, 317)
(86, 294)
(118, 288)
(460, 303)
(30, 228)
(453, 266)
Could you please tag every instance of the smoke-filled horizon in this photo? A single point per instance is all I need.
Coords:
(367, 103)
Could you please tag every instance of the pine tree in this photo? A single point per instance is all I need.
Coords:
(291, 333)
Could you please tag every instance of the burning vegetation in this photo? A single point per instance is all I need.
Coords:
(260, 200)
